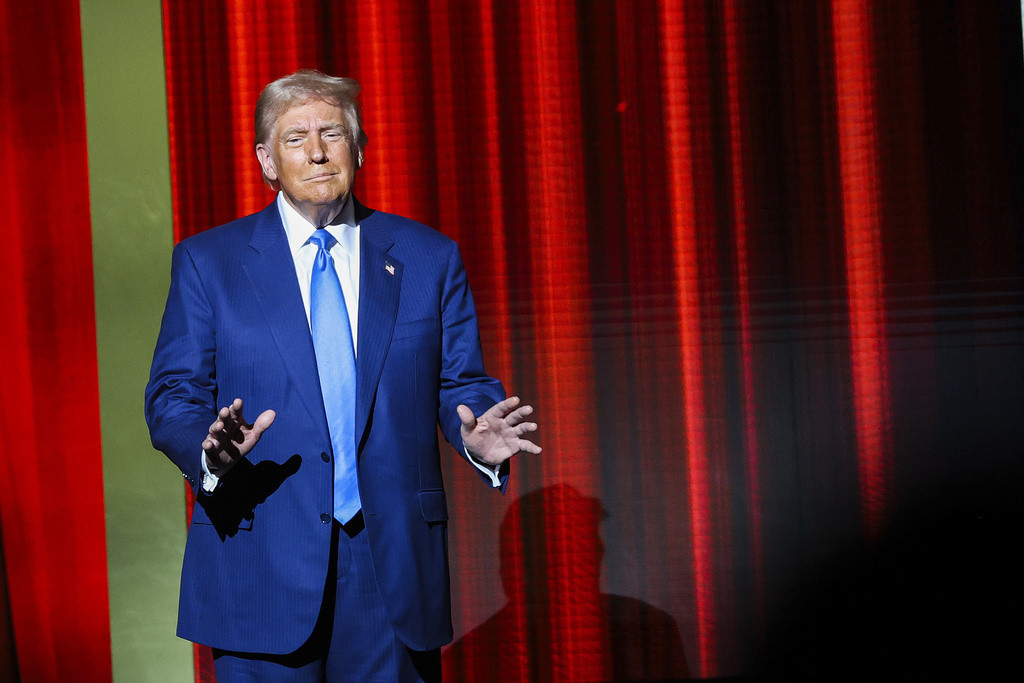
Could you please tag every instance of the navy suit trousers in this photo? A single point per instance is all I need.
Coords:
(353, 640)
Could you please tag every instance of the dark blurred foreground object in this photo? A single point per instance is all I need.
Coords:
(937, 597)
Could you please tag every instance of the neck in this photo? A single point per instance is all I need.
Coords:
(319, 214)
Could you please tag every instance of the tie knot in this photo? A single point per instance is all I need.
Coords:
(323, 239)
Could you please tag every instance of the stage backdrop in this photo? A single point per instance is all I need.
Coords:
(757, 265)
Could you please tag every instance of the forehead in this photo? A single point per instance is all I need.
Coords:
(311, 110)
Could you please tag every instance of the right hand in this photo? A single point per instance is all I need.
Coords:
(231, 438)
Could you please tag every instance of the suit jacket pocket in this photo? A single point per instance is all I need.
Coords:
(433, 506)
(201, 517)
(232, 507)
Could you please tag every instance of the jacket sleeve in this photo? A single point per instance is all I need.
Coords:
(463, 378)
(181, 393)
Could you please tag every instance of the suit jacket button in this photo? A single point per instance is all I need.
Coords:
(325, 457)
(325, 518)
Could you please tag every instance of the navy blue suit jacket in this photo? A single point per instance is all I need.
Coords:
(256, 559)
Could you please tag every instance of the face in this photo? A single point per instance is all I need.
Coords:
(311, 158)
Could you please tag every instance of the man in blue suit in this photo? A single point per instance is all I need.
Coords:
(317, 548)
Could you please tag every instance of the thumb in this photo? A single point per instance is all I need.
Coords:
(264, 421)
(467, 417)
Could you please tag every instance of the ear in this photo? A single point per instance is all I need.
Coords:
(359, 159)
(266, 160)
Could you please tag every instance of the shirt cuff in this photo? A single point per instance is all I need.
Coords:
(209, 479)
(491, 472)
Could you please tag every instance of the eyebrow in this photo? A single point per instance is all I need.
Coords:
(288, 132)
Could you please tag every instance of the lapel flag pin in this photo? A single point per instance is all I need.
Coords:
(390, 268)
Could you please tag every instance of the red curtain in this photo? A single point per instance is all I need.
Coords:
(51, 504)
(757, 264)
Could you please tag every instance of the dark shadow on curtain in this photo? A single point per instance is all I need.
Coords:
(553, 584)
(8, 651)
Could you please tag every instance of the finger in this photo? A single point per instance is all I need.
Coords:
(224, 423)
(222, 434)
(233, 421)
(235, 412)
(525, 427)
(517, 416)
(213, 435)
(218, 439)
(467, 416)
(526, 446)
(215, 444)
(501, 408)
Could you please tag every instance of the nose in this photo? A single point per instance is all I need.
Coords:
(317, 154)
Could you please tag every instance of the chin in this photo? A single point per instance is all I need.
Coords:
(327, 198)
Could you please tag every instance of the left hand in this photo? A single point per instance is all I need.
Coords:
(495, 436)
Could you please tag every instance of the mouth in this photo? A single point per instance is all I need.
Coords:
(321, 176)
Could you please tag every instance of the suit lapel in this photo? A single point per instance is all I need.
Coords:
(380, 283)
(271, 272)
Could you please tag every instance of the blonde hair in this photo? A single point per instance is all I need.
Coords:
(301, 87)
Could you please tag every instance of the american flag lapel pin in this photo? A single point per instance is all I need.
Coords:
(390, 268)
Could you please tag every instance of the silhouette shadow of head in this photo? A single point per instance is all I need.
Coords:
(557, 623)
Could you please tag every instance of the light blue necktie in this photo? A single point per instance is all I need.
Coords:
(336, 364)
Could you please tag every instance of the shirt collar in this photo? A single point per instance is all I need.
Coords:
(298, 230)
